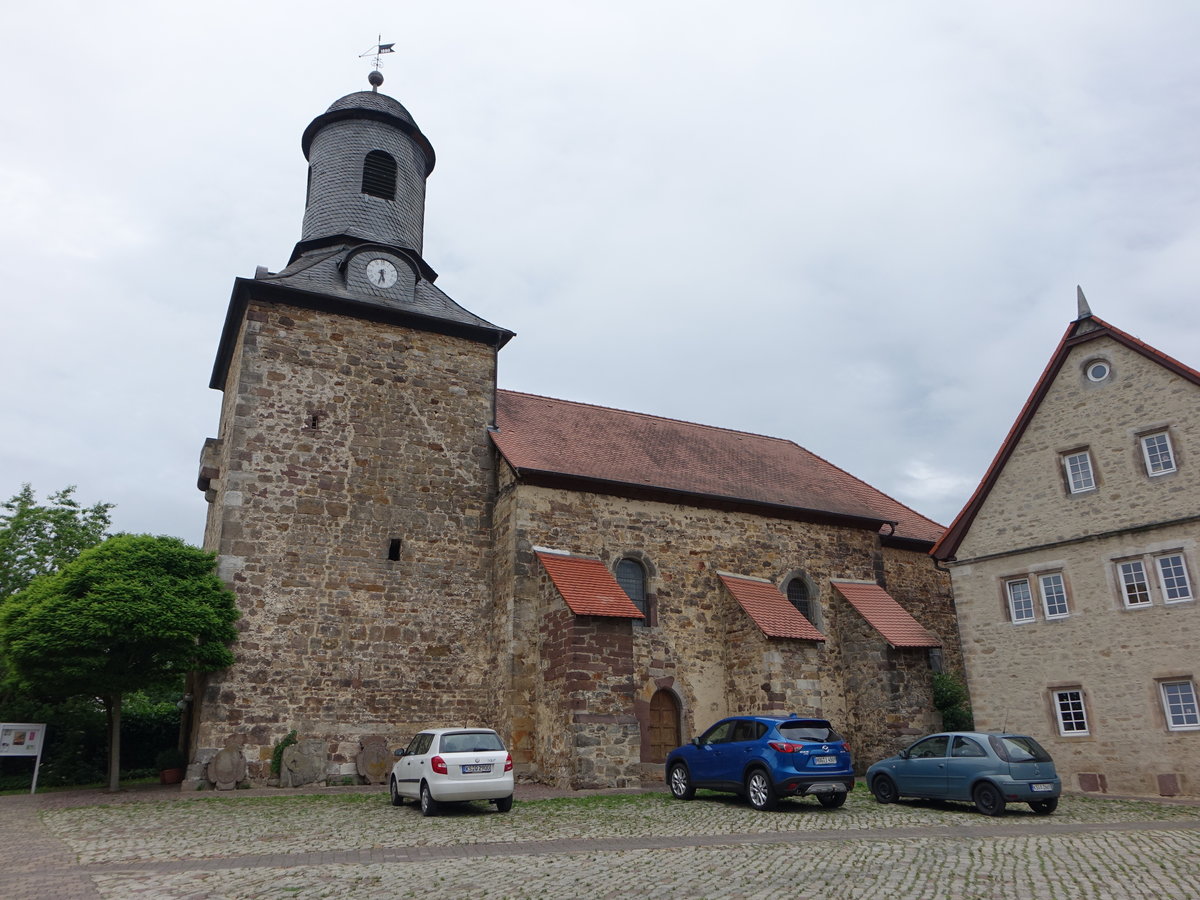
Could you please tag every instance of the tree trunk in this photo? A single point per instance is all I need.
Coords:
(112, 707)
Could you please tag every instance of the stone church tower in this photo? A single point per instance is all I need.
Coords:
(352, 483)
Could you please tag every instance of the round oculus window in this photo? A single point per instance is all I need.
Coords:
(1098, 370)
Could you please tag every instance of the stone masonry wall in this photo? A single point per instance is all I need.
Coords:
(1030, 504)
(889, 698)
(702, 644)
(343, 443)
(1031, 525)
(1116, 656)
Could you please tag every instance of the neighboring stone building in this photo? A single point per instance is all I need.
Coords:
(411, 546)
(1074, 562)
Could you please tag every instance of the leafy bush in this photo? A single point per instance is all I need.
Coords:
(76, 747)
(951, 699)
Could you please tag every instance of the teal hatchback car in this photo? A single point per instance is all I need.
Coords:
(987, 769)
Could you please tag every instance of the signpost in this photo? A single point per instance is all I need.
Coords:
(23, 739)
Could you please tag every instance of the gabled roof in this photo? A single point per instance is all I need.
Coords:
(587, 586)
(885, 615)
(613, 450)
(1084, 329)
(769, 608)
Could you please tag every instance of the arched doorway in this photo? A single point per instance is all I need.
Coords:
(664, 725)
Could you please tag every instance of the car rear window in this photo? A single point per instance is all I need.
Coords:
(809, 731)
(471, 742)
(1018, 748)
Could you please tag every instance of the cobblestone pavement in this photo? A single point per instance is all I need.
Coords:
(344, 842)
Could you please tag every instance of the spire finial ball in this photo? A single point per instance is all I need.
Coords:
(376, 79)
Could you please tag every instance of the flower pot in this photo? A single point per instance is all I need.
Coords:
(170, 776)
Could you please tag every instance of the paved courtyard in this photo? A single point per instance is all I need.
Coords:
(351, 843)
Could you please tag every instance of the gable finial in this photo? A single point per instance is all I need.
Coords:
(1085, 311)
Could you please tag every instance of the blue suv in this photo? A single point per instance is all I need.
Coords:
(764, 758)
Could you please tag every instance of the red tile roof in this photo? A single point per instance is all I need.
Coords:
(615, 448)
(587, 586)
(1082, 330)
(885, 615)
(770, 609)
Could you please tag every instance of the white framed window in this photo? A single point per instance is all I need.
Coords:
(1156, 450)
(1020, 600)
(1173, 578)
(1080, 477)
(1135, 589)
(1054, 595)
(1179, 704)
(1072, 716)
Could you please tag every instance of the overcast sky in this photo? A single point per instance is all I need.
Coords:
(858, 226)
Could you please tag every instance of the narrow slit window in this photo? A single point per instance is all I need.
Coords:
(394, 549)
(379, 175)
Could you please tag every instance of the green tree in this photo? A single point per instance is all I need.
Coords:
(135, 612)
(37, 539)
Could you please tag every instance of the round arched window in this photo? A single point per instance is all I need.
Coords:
(631, 576)
(800, 597)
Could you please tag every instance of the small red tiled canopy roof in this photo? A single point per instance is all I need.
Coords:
(885, 615)
(587, 586)
(770, 609)
(627, 449)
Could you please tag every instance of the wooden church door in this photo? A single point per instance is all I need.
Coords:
(664, 725)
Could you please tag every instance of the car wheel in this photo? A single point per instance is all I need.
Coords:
(759, 790)
(884, 789)
(394, 790)
(987, 799)
(429, 806)
(832, 801)
(504, 804)
(1044, 807)
(681, 782)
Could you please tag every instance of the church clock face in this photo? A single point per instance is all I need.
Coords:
(381, 273)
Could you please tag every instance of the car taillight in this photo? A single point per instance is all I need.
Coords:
(783, 746)
(438, 765)
(507, 762)
(845, 746)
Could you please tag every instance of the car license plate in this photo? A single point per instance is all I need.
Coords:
(475, 770)
(824, 760)
(1041, 788)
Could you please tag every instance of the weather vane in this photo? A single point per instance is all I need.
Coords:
(377, 50)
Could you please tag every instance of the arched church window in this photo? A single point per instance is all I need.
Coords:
(631, 576)
(379, 175)
(801, 597)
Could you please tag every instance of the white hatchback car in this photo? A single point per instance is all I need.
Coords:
(449, 765)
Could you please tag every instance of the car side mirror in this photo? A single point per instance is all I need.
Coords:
(401, 752)
(903, 754)
(696, 742)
